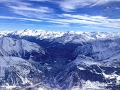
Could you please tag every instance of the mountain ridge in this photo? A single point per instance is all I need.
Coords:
(68, 60)
(68, 35)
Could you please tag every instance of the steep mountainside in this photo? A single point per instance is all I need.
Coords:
(20, 48)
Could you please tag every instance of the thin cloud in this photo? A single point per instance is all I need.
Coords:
(79, 20)
(29, 19)
(29, 10)
(23, 19)
(40, 0)
(32, 9)
(9, 1)
(14, 2)
(6, 17)
(99, 21)
(71, 5)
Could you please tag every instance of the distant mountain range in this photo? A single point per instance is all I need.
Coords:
(38, 60)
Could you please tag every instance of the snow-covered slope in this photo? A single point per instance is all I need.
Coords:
(85, 73)
(19, 48)
(100, 49)
(18, 67)
(18, 73)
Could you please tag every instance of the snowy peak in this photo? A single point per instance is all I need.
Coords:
(65, 37)
(18, 47)
(41, 34)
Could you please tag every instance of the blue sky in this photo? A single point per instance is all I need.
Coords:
(60, 15)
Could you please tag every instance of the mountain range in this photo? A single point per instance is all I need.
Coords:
(49, 60)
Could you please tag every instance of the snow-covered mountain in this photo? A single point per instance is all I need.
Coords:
(17, 64)
(20, 48)
(100, 49)
(86, 73)
(59, 60)
(18, 73)
(63, 37)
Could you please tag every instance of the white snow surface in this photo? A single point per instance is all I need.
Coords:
(41, 34)
(6, 62)
(22, 68)
(64, 37)
(10, 46)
